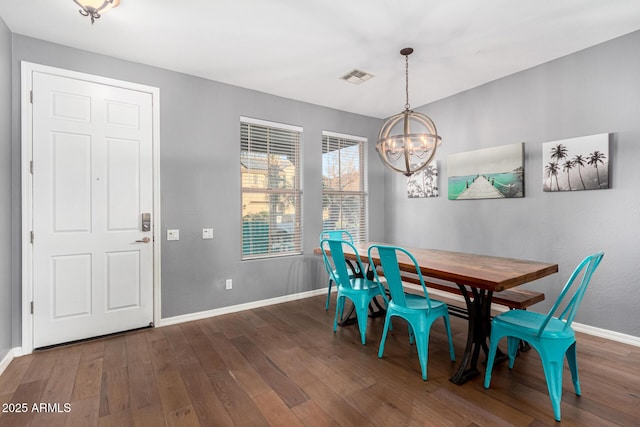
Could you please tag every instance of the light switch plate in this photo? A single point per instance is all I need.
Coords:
(207, 233)
(173, 234)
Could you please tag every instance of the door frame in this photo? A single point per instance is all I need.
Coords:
(27, 69)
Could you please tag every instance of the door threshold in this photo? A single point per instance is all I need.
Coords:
(84, 340)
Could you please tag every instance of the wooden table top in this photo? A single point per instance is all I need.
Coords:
(481, 271)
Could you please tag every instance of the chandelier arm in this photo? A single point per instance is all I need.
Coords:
(407, 154)
(94, 12)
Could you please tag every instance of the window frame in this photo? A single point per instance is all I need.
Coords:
(296, 192)
(363, 230)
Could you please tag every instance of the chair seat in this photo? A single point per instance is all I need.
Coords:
(418, 302)
(528, 323)
(360, 284)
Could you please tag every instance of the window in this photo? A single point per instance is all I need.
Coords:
(344, 197)
(271, 192)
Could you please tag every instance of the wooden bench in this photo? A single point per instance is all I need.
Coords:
(515, 298)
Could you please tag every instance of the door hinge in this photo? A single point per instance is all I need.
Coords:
(32, 236)
(31, 307)
(31, 167)
(31, 96)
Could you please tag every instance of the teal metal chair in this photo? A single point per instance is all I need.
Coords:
(334, 235)
(551, 336)
(419, 311)
(358, 289)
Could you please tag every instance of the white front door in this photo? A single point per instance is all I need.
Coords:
(92, 183)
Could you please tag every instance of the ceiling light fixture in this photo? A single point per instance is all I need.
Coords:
(95, 8)
(413, 149)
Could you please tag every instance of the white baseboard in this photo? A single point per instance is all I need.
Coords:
(240, 307)
(603, 333)
(578, 327)
(11, 354)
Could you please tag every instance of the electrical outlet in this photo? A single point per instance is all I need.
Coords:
(207, 233)
(173, 234)
(229, 284)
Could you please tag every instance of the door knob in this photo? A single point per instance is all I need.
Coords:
(144, 240)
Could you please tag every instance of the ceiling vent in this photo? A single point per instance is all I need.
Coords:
(356, 77)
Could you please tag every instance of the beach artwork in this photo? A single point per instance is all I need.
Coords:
(424, 183)
(576, 164)
(489, 173)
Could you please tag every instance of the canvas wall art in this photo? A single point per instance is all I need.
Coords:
(489, 173)
(424, 183)
(576, 164)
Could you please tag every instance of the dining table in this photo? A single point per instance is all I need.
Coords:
(478, 277)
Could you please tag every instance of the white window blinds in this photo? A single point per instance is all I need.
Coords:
(344, 196)
(271, 193)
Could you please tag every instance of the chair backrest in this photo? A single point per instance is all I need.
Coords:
(338, 268)
(336, 235)
(333, 235)
(391, 269)
(574, 290)
(335, 261)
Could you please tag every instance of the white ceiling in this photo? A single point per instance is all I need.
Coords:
(299, 48)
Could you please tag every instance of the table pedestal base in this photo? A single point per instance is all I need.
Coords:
(478, 303)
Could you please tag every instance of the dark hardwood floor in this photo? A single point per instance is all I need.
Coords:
(283, 366)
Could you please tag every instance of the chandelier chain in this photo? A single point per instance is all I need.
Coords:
(406, 62)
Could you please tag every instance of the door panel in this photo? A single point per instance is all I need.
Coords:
(67, 106)
(71, 182)
(123, 280)
(71, 285)
(121, 114)
(92, 180)
(123, 184)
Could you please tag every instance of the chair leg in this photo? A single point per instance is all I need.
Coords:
(412, 335)
(493, 347)
(339, 309)
(552, 366)
(326, 306)
(387, 323)
(447, 326)
(513, 345)
(422, 344)
(572, 359)
(362, 314)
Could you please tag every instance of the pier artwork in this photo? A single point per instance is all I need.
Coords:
(489, 173)
(480, 188)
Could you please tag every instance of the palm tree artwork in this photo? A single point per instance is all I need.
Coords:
(558, 153)
(588, 154)
(424, 183)
(595, 158)
(566, 167)
(552, 170)
(579, 161)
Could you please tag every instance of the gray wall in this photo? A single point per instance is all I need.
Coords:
(5, 189)
(593, 91)
(200, 179)
(590, 92)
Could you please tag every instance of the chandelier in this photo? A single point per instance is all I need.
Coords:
(407, 141)
(94, 8)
